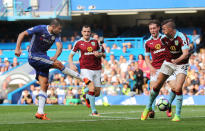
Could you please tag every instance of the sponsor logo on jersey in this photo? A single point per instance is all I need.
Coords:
(89, 53)
(172, 48)
(176, 42)
(43, 35)
(89, 49)
(175, 52)
(157, 46)
(93, 43)
(160, 50)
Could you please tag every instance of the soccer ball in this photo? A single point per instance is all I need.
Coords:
(163, 104)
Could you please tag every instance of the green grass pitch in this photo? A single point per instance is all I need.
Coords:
(113, 118)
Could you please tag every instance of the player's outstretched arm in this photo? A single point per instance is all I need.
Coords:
(148, 62)
(19, 41)
(70, 60)
(58, 51)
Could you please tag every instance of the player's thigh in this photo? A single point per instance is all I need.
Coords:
(97, 78)
(87, 73)
(180, 78)
(97, 82)
(160, 81)
(171, 81)
(153, 78)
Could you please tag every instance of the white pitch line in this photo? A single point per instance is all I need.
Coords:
(111, 118)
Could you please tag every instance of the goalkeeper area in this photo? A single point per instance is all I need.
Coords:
(113, 118)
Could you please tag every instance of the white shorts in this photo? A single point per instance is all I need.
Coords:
(154, 77)
(169, 68)
(93, 75)
(172, 77)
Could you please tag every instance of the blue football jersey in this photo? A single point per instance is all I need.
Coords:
(42, 39)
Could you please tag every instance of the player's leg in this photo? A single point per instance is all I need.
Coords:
(153, 94)
(90, 96)
(43, 81)
(97, 84)
(153, 79)
(41, 64)
(58, 65)
(165, 71)
(180, 78)
(171, 81)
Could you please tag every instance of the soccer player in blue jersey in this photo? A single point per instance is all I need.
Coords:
(43, 37)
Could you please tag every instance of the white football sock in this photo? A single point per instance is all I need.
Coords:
(72, 73)
(41, 101)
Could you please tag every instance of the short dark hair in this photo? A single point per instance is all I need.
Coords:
(86, 26)
(94, 34)
(170, 23)
(56, 22)
(154, 22)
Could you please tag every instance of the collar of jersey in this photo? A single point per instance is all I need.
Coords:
(88, 40)
(176, 34)
(48, 31)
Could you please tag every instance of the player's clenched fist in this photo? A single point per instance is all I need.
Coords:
(17, 52)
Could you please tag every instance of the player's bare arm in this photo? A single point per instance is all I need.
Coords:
(58, 51)
(70, 60)
(185, 54)
(148, 62)
(19, 41)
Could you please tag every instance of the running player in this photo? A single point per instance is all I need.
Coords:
(176, 62)
(90, 64)
(43, 37)
(155, 48)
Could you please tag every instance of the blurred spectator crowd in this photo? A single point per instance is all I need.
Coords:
(124, 75)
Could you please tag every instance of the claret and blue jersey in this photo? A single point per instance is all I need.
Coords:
(179, 43)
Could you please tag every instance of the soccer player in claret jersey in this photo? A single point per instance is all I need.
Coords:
(155, 48)
(90, 64)
(176, 62)
(43, 37)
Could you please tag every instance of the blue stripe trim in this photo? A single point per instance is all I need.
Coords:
(147, 54)
(72, 52)
(185, 47)
(42, 95)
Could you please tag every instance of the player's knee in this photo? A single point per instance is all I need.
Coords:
(97, 94)
(178, 91)
(97, 91)
(57, 64)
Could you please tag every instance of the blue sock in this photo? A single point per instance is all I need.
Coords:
(152, 97)
(86, 90)
(92, 102)
(171, 97)
(179, 100)
(153, 105)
